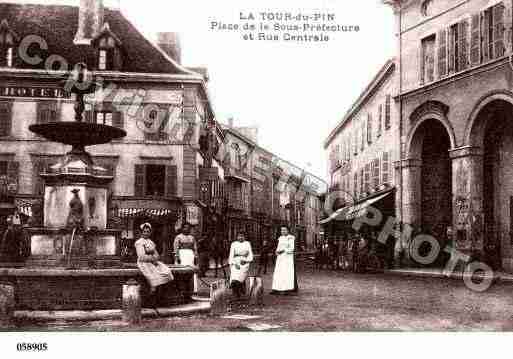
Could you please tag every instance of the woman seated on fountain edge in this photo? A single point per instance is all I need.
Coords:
(155, 272)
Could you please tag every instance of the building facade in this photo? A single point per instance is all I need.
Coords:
(456, 101)
(163, 106)
(362, 150)
(266, 192)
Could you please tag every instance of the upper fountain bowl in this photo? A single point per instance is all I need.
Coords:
(78, 133)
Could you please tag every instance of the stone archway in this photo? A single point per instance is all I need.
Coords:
(490, 130)
(428, 173)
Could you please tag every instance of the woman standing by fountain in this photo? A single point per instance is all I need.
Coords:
(155, 272)
(186, 250)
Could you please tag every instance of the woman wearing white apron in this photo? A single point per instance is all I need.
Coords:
(186, 250)
(284, 277)
(241, 255)
(155, 272)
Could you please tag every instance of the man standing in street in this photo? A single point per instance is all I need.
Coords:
(10, 246)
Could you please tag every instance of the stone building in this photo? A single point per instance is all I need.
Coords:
(456, 101)
(362, 149)
(163, 106)
(266, 192)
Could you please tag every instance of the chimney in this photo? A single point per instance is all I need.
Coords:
(90, 21)
(169, 42)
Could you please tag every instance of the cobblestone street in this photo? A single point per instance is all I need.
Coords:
(340, 301)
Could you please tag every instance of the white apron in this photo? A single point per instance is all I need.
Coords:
(240, 251)
(283, 278)
(187, 259)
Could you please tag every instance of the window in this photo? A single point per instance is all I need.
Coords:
(427, 71)
(155, 180)
(458, 48)
(387, 111)
(5, 118)
(9, 171)
(102, 60)
(47, 111)
(355, 141)
(104, 118)
(108, 47)
(375, 173)
(386, 168)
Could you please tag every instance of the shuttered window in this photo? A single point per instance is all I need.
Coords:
(5, 118)
(362, 127)
(442, 53)
(355, 141)
(463, 35)
(428, 59)
(47, 111)
(388, 104)
(139, 180)
(362, 181)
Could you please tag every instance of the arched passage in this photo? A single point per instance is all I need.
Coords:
(431, 180)
(492, 130)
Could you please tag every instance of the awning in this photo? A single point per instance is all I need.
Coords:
(358, 210)
(136, 212)
(240, 178)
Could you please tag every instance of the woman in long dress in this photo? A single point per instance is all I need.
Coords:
(155, 272)
(241, 255)
(284, 278)
(186, 250)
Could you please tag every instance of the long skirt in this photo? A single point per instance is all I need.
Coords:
(155, 273)
(284, 278)
(187, 259)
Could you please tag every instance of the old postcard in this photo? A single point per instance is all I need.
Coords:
(253, 166)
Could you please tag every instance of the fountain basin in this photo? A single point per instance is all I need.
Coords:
(78, 133)
(89, 289)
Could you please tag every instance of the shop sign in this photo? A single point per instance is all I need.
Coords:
(27, 91)
(192, 214)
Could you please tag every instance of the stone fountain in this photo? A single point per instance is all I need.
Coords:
(74, 260)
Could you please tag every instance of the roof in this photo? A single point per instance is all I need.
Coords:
(384, 73)
(57, 25)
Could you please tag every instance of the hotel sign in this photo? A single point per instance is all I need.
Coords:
(28, 92)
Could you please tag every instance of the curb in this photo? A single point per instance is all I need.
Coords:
(454, 275)
(93, 315)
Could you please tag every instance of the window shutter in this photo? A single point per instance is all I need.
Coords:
(463, 45)
(442, 53)
(475, 40)
(5, 118)
(38, 168)
(369, 128)
(117, 119)
(355, 184)
(387, 112)
(452, 48)
(171, 178)
(363, 135)
(508, 18)
(498, 31)
(355, 140)
(367, 177)
(385, 171)
(422, 68)
(380, 119)
(375, 173)
(13, 169)
(362, 179)
(140, 177)
(485, 32)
